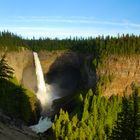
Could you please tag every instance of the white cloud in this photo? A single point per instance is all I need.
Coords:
(49, 32)
(93, 27)
(65, 32)
(77, 20)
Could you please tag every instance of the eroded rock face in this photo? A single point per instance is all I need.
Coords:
(125, 71)
(23, 64)
(58, 59)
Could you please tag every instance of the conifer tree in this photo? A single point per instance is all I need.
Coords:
(5, 70)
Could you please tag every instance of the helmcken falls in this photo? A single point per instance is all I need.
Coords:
(41, 93)
(44, 95)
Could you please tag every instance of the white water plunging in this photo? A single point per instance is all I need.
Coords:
(42, 126)
(46, 93)
(44, 96)
(41, 93)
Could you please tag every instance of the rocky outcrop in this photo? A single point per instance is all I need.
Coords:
(15, 130)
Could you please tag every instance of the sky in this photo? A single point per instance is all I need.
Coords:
(65, 18)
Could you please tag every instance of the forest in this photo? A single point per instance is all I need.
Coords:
(99, 46)
(94, 117)
(100, 118)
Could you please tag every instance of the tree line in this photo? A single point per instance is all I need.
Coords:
(99, 46)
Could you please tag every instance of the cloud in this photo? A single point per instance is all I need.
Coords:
(65, 32)
(72, 26)
(49, 32)
(76, 20)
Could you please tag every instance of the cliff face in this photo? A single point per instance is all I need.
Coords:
(23, 64)
(125, 71)
(62, 70)
(58, 60)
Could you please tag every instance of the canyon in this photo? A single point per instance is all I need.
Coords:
(60, 65)
(67, 70)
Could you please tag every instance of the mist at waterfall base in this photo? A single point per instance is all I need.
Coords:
(46, 94)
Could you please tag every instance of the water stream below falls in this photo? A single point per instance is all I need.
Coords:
(46, 95)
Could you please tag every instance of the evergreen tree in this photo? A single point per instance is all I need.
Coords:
(97, 120)
(128, 123)
(6, 71)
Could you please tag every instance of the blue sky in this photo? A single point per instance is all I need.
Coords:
(64, 18)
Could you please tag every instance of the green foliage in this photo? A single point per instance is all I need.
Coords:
(28, 105)
(100, 46)
(128, 123)
(103, 81)
(11, 42)
(15, 100)
(6, 71)
(98, 119)
(114, 118)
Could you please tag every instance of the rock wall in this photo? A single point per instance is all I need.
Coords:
(125, 72)
(23, 64)
(124, 69)
(58, 59)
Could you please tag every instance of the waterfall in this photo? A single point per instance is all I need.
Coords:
(44, 96)
(41, 93)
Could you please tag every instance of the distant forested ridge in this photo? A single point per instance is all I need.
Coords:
(101, 45)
